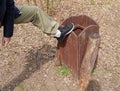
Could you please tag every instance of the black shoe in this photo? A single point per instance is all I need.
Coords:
(67, 29)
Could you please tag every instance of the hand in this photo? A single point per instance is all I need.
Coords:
(5, 41)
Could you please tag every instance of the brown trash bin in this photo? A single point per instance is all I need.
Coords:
(79, 50)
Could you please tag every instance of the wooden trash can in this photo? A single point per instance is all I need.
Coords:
(79, 50)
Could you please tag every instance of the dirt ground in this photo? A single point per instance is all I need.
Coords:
(28, 63)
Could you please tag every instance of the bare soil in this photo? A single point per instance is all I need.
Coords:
(28, 63)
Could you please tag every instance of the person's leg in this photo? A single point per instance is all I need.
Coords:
(43, 21)
(38, 18)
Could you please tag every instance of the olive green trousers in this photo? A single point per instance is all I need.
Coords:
(38, 18)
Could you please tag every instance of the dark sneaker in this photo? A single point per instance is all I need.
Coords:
(66, 30)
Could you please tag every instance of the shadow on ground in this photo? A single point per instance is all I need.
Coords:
(93, 86)
(35, 59)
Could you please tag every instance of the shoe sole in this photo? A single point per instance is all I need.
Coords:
(70, 30)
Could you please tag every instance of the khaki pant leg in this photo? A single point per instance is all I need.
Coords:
(38, 18)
